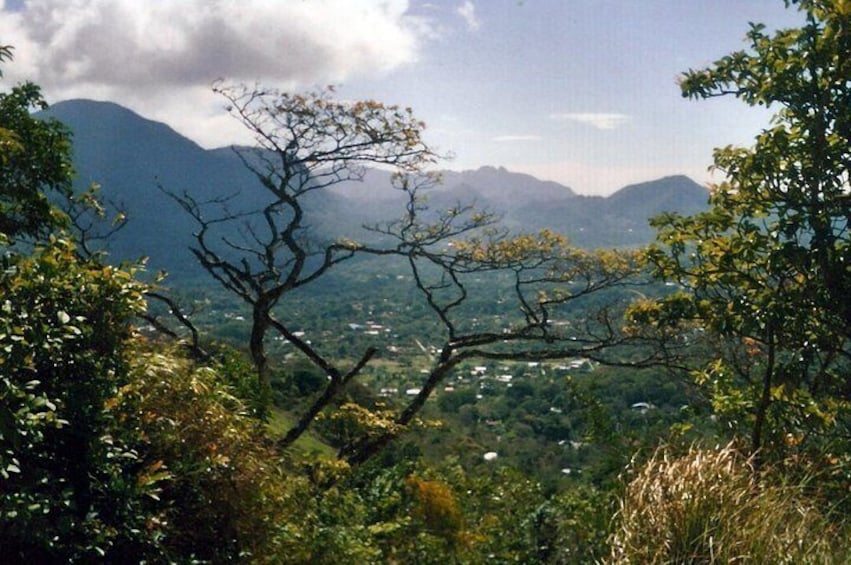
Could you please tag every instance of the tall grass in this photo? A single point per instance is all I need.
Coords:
(708, 506)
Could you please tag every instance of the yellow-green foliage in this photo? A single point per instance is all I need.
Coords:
(435, 506)
(709, 506)
(223, 491)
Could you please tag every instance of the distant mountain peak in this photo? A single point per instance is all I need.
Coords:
(506, 187)
(131, 156)
(86, 116)
(83, 104)
(672, 193)
(672, 184)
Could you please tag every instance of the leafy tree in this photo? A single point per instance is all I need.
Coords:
(69, 488)
(35, 160)
(767, 270)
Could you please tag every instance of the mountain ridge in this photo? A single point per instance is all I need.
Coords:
(132, 157)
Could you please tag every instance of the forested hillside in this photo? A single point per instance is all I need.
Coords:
(468, 379)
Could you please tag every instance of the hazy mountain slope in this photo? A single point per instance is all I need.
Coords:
(130, 156)
(617, 220)
(590, 221)
(675, 193)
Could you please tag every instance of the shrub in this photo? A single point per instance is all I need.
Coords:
(221, 485)
(68, 480)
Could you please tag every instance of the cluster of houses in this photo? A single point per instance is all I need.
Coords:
(481, 375)
(479, 378)
(369, 328)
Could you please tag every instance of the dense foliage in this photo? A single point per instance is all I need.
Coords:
(35, 161)
(765, 271)
(66, 489)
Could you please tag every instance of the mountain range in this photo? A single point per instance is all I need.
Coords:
(136, 161)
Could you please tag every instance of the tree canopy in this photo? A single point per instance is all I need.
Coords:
(35, 160)
(768, 268)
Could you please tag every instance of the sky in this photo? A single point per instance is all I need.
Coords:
(582, 92)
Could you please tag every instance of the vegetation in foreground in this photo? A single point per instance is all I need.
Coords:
(115, 447)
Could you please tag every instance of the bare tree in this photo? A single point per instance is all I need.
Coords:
(304, 143)
(309, 142)
(548, 281)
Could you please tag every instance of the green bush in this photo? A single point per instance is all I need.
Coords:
(111, 451)
(69, 486)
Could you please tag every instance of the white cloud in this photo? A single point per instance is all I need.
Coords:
(468, 11)
(516, 138)
(159, 56)
(131, 43)
(595, 119)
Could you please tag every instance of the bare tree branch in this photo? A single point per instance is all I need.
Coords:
(175, 310)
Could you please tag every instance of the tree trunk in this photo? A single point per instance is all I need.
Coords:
(765, 397)
(258, 351)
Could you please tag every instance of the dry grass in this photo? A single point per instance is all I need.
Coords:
(708, 507)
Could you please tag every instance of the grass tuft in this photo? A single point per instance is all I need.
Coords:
(710, 506)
